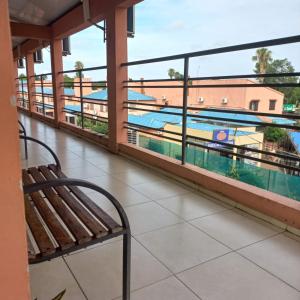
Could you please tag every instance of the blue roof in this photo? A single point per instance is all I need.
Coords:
(295, 138)
(209, 127)
(49, 90)
(76, 108)
(231, 116)
(146, 121)
(132, 96)
(282, 121)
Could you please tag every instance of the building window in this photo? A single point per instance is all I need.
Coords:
(272, 104)
(254, 105)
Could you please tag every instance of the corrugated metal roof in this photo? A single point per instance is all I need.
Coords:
(146, 121)
(282, 121)
(49, 90)
(132, 96)
(295, 138)
(76, 108)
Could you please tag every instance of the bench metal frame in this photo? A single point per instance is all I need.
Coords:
(35, 187)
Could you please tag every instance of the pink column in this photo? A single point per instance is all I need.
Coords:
(13, 249)
(30, 81)
(57, 79)
(116, 54)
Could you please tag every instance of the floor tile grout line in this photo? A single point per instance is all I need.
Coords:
(267, 271)
(211, 236)
(189, 288)
(157, 202)
(189, 268)
(146, 286)
(77, 281)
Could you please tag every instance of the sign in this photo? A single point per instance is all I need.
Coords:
(289, 107)
(221, 135)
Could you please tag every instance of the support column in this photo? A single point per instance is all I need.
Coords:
(14, 283)
(30, 82)
(57, 80)
(116, 75)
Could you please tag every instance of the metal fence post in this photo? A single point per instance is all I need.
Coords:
(42, 90)
(22, 87)
(81, 102)
(184, 108)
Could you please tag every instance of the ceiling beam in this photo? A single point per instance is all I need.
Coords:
(29, 46)
(30, 31)
(68, 24)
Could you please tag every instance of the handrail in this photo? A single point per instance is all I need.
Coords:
(247, 46)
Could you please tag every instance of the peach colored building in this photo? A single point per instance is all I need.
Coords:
(262, 99)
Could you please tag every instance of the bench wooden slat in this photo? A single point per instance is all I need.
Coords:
(60, 234)
(69, 219)
(96, 228)
(103, 217)
(38, 231)
(30, 251)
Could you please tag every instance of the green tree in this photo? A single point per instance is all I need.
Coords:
(275, 134)
(262, 59)
(22, 76)
(38, 77)
(283, 66)
(171, 73)
(178, 76)
(68, 82)
(78, 66)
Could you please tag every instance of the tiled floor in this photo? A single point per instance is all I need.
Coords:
(185, 245)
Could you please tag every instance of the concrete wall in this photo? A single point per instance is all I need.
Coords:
(13, 256)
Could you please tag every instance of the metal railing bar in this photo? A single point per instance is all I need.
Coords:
(152, 133)
(234, 111)
(252, 85)
(243, 76)
(227, 49)
(84, 69)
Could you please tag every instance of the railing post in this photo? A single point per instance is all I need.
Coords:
(184, 108)
(81, 95)
(57, 80)
(22, 89)
(30, 82)
(116, 75)
(42, 90)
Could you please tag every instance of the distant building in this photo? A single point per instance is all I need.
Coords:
(260, 99)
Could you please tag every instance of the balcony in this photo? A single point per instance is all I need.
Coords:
(213, 205)
(186, 243)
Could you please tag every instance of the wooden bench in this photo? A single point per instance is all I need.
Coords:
(61, 218)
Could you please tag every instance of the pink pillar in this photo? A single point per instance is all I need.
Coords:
(13, 249)
(30, 81)
(117, 94)
(57, 79)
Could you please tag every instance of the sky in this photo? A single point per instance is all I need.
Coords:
(166, 27)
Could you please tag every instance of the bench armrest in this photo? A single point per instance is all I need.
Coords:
(28, 138)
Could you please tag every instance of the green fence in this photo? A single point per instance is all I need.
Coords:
(274, 181)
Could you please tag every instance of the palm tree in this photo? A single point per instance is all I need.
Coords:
(78, 66)
(171, 73)
(262, 58)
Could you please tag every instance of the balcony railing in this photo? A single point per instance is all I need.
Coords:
(81, 109)
(275, 170)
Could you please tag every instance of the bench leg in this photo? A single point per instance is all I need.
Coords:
(126, 266)
(26, 149)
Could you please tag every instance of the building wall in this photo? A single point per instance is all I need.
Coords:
(237, 98)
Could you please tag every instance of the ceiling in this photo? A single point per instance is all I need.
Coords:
(38, 12)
